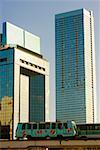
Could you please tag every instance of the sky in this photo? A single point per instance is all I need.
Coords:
(38, 17)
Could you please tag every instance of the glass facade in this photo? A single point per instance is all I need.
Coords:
(6, 87)
(70, 67)
(36, 95)
(37, 100)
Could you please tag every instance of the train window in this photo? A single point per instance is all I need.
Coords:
(23, 126)
(65, 125)
(53, 125)
(47, 125)
(28, 126)
(90, 127)
(41, 126)
(97, 127)
(59, 125)
(34, 126)
(82, 127)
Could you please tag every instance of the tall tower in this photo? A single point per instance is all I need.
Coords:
(75, 66)
(24, 80)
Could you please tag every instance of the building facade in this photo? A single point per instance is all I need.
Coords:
(75, 66)
(24, 87)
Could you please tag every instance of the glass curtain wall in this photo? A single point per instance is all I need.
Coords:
(36, 95)
(6, 90)
(70, 73)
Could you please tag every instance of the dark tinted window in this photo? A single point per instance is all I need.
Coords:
(28, 126)
(97, 127)
(42, 126)
(47, 125)
(53, 125)
(23, 126)
(90, 127)
(82, 127)
(65, 125)
(3, 59)
(34, 126)
(59, 125)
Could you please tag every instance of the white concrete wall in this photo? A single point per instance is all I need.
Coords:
(24, 98)
(32, 42)
(16, 35)
(89, 94)
(38, 65)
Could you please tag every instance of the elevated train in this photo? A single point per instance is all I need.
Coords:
(57, 130)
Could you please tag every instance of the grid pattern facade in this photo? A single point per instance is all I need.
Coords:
(36, 95)
(6, 87)
(37, 100)
(71, 55)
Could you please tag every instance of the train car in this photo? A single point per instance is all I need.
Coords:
(46, 130)
(88, 131)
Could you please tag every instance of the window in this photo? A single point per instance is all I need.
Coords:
(59, 125)
(28, 126)
(65, 125)
(35, 66)
(3, 59)
(82, 127)
(53, 125)
(41, 126)
(23, 126)
(34, 126)
(47, 125)
(90, 127)
(97, 127)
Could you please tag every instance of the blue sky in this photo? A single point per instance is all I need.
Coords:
(38, 17)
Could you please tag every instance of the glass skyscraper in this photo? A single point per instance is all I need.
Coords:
(75, 66)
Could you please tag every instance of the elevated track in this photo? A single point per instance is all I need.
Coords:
(51, 145)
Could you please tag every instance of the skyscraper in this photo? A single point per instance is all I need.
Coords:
(75, 66)
(24, 80)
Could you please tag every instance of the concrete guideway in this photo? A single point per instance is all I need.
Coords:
(51, 144)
